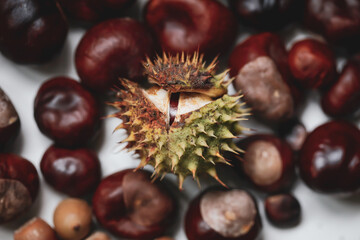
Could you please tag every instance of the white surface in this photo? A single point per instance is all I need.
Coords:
(324, 217)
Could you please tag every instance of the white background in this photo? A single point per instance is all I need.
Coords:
(323, 217)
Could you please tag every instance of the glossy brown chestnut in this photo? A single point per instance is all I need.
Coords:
(312, 63)
(9, 121)
(110, 50)
(343, 98)
(73, 172)
(19, 185)
(35, 229)
(94, 10)
(31, 31)
(337, 20)
(130, 206)
(188, 25)
(293, 132)
(270, 15)
(268, 162)
(329, 159)
(223, 214)
(283, 210)
(66, 112)
(259, 65)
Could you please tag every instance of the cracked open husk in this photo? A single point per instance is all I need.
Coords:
(191, 140)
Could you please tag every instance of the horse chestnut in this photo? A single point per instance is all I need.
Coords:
(268, 162)
(219, 214)
(31, 31)
(19, 185)
(130, 206)
(111, 50)
(35, 229)
(259, 65)
(293, 132)
(312, 63)
(74, 172)
(9, 121)
(329, 159)
(188, 26)
(343, 97)
(66, 112)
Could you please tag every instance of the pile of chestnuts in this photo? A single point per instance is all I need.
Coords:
(273, 66)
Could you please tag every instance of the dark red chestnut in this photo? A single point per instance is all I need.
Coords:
(9, 121)
(283, 210)
(259, 65)
(223, 214)
(312, 63)
(337, 20)
(343, 98)
(19, 185)
(268, 162)
(31, 31)
(130, 206)
(188, 25)
(329, 159)
(66, 112)
(73, 172)
(270, 15)
(293, 132)
(110, 50)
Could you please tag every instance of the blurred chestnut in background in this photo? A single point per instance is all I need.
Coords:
(283, 210)
(31, 31)
(268, 162)
(312, 63)
(223, 214)
(98, 236)
(73, 172)
(259, 65)
(293, 132)
(19, 186)
(94, 10)
(329, 160)
(111, 50)
(66, 112)
(35, 229)
(337, 20)
(9, 121)
(130, 206)
(191, 25)
(270, 15)
(343, 97)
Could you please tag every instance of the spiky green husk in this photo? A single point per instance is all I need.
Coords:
(184, 74)
(191, 146)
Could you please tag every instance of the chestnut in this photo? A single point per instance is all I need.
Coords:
(268, 162)
(223, 214)
(312, 63)
(74, 172)
(66, 112)
(293, 132)
(259, 66)
(188, 25)
(98, 236)
(94, 10)
(343, 97)
(130, 206)
(72, 219)
(111, 50)
(329, 159)
(337, 20)
(19, 186)
(35, 229)
(283, 210)
(32, 31)
(271, 15)
(9, 121)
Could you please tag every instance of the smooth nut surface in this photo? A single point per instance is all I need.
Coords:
(72, 219)
(283, 210)
(98, 236)
(35, 229)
